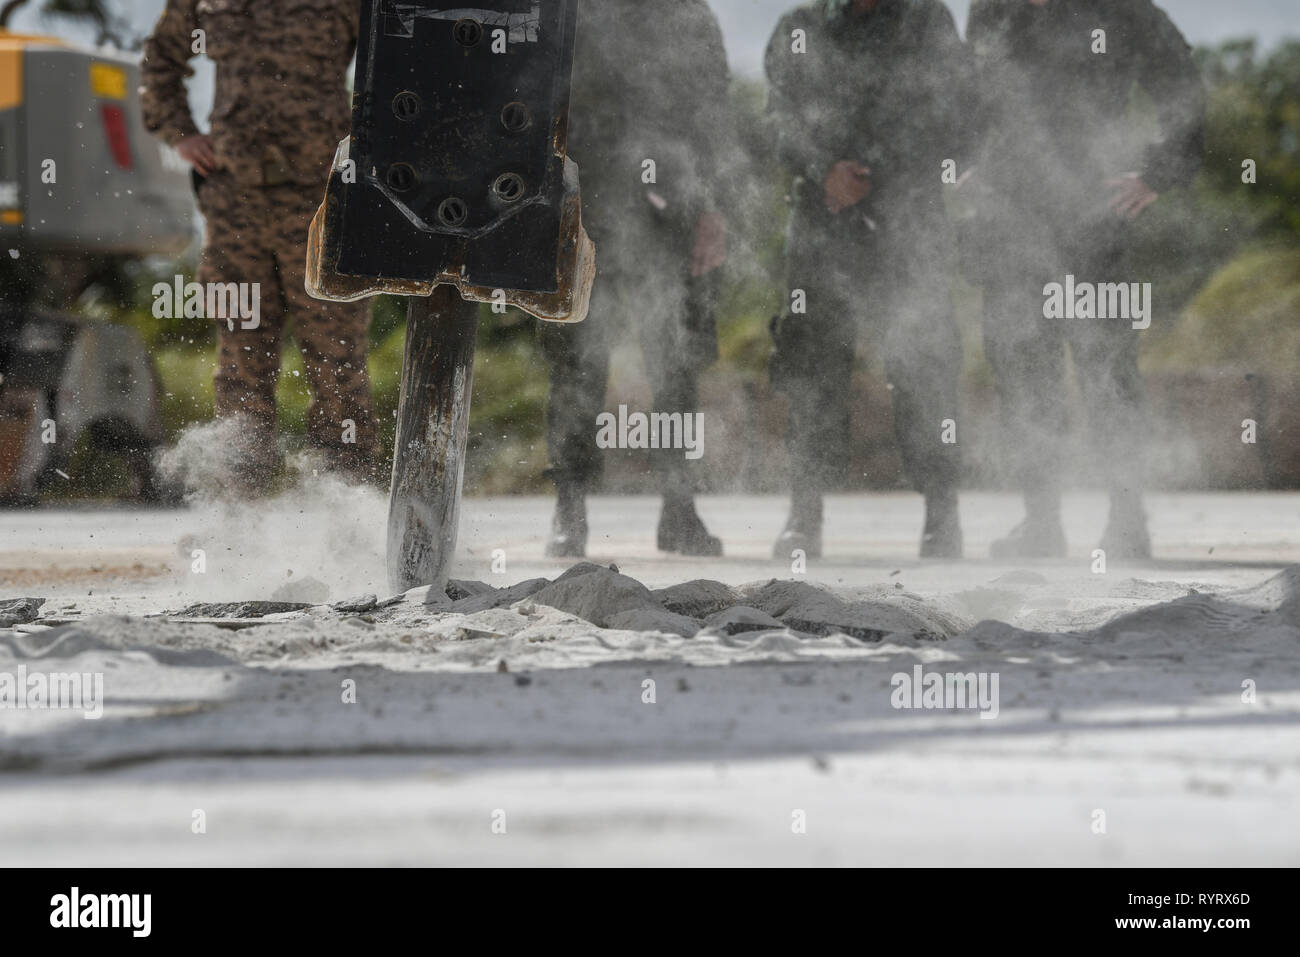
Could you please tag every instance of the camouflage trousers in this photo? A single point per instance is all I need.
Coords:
(259, 235)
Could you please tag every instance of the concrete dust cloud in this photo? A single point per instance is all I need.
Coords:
(317, 538)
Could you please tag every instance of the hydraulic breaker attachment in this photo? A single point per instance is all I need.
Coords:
(455, 175)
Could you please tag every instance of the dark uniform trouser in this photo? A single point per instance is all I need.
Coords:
(259, 235)
(1027, 355)
(895, 281)
(643, 284)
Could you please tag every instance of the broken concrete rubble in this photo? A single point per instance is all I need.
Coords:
(742, 618)
(238, 609)
(597, 594)
(590, 594)
(697, 599)
(356, 606)
(818, 611)
(648, 619)
(499, 597)
(19, 611)
(457, 589)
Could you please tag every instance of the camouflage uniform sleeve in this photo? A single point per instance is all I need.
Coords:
(789, 108)
(1169, 75)
(164, 70)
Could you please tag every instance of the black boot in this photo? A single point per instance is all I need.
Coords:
(803, 529)
(681, 530)
(1126, 536)
(569, 526)
(942, 535)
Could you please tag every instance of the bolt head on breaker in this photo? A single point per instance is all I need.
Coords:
(456, 169)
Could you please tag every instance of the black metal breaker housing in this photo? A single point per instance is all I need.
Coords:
(456, 167)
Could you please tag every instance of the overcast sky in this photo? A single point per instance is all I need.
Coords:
(748, 23)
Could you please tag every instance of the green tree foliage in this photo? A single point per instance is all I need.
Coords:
(1245, 238)
(1254, 114)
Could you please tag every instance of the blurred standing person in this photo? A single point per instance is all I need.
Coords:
(1060, 177)
(648, 127)
(868, 101)
(280, 110)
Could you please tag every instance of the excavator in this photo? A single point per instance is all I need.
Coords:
(83, 188)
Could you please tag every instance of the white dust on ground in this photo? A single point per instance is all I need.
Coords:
(1229, 629)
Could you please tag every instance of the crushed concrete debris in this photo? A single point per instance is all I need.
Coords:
(19, 611)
